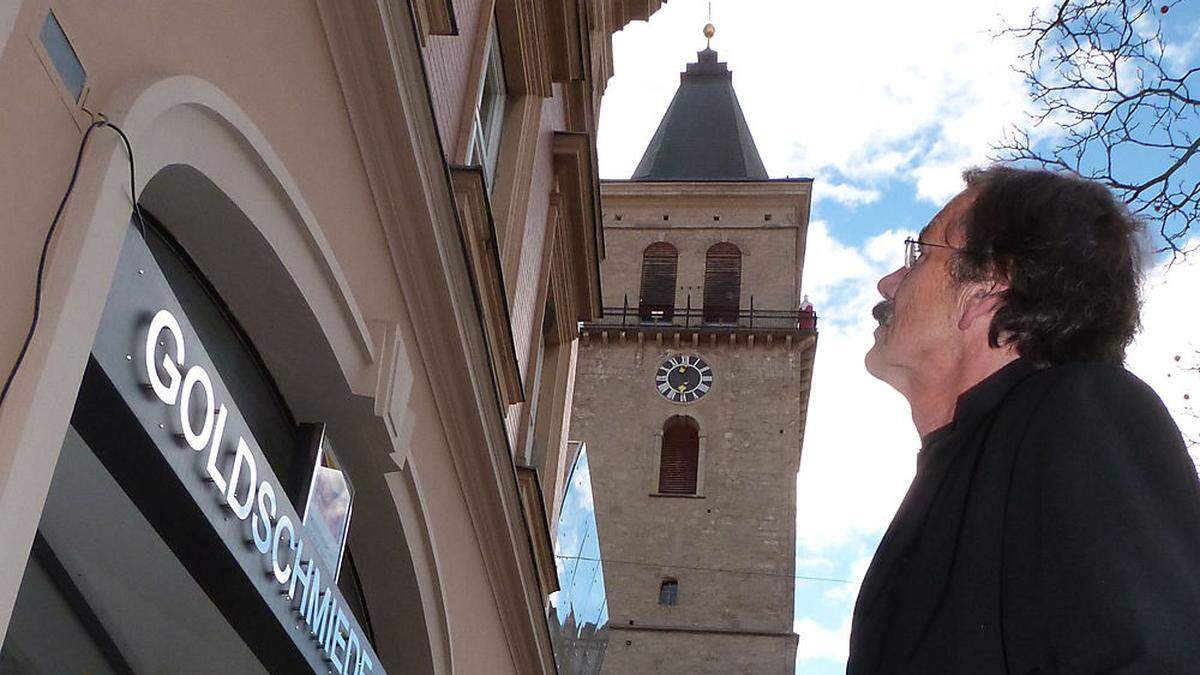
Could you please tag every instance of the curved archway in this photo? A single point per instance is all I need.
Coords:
(210, 176)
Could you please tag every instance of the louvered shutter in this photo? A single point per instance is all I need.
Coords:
(680, 455)
(722, 283)
(657, 299)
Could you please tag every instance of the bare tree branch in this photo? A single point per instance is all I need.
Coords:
(1113, 105)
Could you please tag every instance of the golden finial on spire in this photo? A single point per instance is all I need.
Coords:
(709, 29)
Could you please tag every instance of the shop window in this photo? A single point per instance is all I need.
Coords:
(489, 113)
(668, 592)
(722, 283)
(679, 461)
(100, 556)
(656, 301)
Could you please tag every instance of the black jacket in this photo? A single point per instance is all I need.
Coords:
(1052, 527)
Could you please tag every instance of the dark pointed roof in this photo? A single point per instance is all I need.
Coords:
(704, 135)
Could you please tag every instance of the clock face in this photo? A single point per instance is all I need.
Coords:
(683, 378)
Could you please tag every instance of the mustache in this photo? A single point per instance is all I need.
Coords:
(884, 311)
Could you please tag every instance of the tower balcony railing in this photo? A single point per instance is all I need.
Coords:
(706, 319)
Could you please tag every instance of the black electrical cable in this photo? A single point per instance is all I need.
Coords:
(37, 292)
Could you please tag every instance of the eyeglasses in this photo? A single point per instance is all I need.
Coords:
(913, 250)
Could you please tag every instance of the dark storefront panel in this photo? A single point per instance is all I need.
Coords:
(145, 562)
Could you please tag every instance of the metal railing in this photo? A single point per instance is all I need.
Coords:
(714, 319)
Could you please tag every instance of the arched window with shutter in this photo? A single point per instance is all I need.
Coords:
(722, 283)
(657, 299)
(679, 463)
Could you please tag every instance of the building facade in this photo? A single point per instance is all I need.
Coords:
(692, 394)
(293, 395)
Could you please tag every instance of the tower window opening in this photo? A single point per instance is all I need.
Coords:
(722, 283)
(679, 462)
(668, 592)
(656, 301)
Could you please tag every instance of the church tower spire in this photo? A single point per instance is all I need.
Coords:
(703, 136)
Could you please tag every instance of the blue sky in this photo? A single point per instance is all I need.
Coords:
(883, 105)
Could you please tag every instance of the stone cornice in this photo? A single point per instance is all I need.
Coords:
(786, 635)
(574, 169)
(535, 513)
(435, 17)
(377, 57)
(523, 30)
(724, 190)
(479, 232)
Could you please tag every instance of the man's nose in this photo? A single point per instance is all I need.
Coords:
(887, 285)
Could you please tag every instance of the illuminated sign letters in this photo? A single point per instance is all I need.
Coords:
(202, 425)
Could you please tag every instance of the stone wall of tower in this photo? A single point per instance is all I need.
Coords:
(732, 549)
(767, 221)
(732, 546)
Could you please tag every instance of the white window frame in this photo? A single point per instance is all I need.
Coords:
(489, 112)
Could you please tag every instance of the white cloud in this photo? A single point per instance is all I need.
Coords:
(865, 90)
(848, 593)
(859, 446)
(813, 564)
(845, 193)
(1170, 328)
(818, 641)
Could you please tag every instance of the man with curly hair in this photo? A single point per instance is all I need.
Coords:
(1053, 525)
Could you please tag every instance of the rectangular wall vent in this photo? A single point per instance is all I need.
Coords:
(62, 54)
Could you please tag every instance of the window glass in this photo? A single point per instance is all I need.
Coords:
(104, 593)
(668, 593)
(327, 515)
(489, 114)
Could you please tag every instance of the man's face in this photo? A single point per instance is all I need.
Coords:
(919, 316)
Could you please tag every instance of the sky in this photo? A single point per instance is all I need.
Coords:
(883, 104)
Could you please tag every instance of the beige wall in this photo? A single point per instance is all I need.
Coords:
(322, 130)
(455, 73)
(249, 97)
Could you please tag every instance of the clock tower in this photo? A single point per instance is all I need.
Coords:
(691, 395)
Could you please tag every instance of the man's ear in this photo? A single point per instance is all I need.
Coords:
(980, 302)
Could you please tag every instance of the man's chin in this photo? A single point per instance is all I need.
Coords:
(873, 358)
(876, 359)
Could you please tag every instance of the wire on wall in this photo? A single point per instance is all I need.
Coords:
(98, 120)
